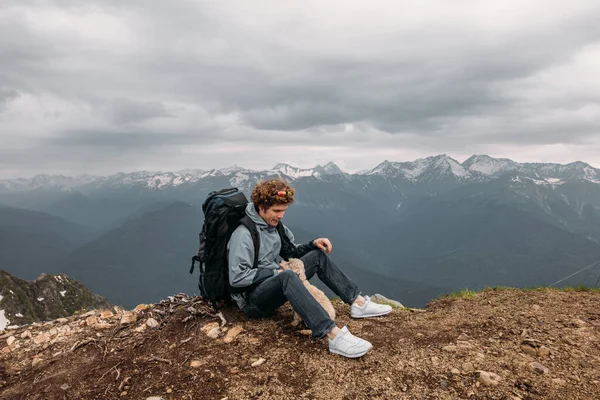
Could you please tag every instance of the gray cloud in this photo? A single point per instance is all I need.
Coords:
(125, 77)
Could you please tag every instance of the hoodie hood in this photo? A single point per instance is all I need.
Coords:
(257, 219)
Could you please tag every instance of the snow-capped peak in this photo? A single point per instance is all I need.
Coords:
(422, 169)
(489, 166)
(293, 172)
(331, 168)
(232, 169)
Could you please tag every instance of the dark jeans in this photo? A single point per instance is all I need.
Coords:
(287, 286)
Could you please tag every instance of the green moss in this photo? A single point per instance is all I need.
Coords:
(580, 289)
(461, 294)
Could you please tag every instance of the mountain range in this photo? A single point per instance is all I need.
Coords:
(420, 228)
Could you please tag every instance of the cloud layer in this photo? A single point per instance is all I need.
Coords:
(104, 86)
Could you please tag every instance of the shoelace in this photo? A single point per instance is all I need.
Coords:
(350, 338)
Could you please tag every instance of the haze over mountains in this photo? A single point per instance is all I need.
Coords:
(410, 230)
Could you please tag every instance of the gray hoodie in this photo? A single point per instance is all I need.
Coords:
(241, 253)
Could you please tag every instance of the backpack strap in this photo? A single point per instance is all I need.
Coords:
(287, 247)
(248, 223)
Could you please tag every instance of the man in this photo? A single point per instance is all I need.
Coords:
(269, 286)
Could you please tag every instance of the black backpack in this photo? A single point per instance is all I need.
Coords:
(224, 211)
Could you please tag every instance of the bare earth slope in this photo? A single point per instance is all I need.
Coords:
(538, 344)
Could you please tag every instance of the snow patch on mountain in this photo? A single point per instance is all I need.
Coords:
(416, 168)
(159, 181)
(239, 179)
(293, 172)
(3, 320)
(489, 166)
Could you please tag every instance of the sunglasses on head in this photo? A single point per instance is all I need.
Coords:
(283, 193)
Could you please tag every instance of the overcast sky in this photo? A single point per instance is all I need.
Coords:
(102, 86)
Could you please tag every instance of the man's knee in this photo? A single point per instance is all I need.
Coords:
(316, 253)
(288, 274)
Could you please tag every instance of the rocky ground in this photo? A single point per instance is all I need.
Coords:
(497, 344)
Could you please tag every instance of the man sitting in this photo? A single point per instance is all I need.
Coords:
(269, 286)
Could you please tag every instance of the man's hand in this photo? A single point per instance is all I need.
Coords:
(323, 244)
(280, 269)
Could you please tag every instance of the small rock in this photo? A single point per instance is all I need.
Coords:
(195, 363)
(212, 330)
(579, 323)
(128, 318)
(450, 348)
(531, 342)
(64, 386)
(463, 336)
(529, 350)
(10, 340)
(152, 323)
(91, 321)
(102, 325)
(87, 314)
(559, 382)
(543, 351)
(381, 299)
(233, 333)
(140, 307)
(26, 334)
(62, 320)
(467, 367)
(487, 378)
(106, 314)
(214, 333)
(42, 337)
(455, 371)
(538, 368)
(36, 361)
(140, 328)
(258, 362)
(535, 307)
(154, 398)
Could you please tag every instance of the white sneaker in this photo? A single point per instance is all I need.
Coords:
(347, 345)
(369, 309)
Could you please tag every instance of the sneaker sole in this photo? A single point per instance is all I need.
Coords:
(350, 355)
(371, 315)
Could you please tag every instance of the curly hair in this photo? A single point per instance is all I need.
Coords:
(268, 193)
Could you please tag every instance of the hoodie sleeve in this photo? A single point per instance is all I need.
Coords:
(241, 259)
(300, 250)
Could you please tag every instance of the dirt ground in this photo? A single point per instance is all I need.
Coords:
(499, 344)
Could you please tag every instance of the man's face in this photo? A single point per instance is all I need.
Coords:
(273, 214)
